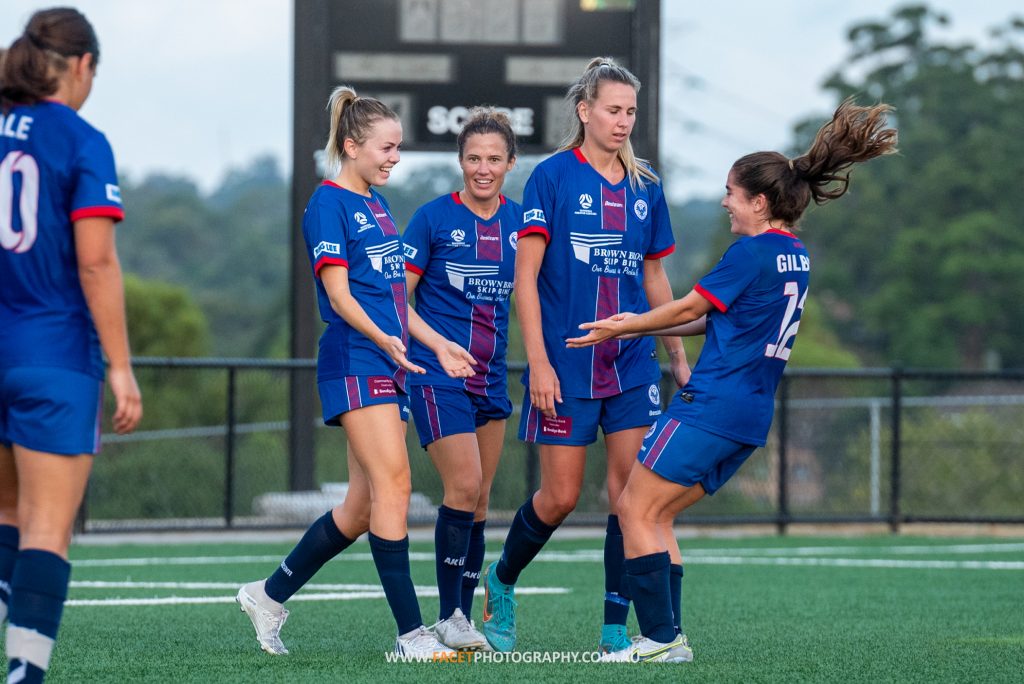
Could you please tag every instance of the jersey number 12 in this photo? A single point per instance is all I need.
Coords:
(10, 239)
(787, 331)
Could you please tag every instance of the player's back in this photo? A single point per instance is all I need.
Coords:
(758, 290)
(54, 169)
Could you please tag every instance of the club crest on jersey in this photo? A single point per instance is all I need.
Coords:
(409, 251)
(583, 243)
(534, 215)
(360, 218)
(326, 248)
(586, 201)
(113, 193)
(513, 239)
(654, 394)
(640, 209)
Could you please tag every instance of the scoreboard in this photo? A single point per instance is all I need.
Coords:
(432, 61)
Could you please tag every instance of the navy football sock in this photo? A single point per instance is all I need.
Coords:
(8, 552)
(39, 585)
(392, 561)
(675, 585)
(321, 542)
(649, 589)
(616, 606)
(525, 539)
(474, 562)
(451, 544)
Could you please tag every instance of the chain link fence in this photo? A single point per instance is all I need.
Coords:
(871, 445)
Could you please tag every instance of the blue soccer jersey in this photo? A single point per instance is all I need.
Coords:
(466, 265)
(758, 290)
(347, 229)
(598, 237)
(54, 170)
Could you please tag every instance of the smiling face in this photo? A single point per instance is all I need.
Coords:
(747, 215)
(371, 162)
(609, 119)
(484, 163)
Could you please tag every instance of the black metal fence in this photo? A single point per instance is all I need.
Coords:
(869, 445)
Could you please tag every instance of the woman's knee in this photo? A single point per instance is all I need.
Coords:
(557, 503)
(462, 493)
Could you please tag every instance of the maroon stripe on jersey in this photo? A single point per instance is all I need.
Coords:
(116, 213)
(483, 339)
(402, 309)
(613, 209)
(604, 380)
(352, 385)
(715, 301)
(488, 241)
(387, 226)
(660, 442)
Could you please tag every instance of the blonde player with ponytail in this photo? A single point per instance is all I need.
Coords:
(359, 268)
(595, 228)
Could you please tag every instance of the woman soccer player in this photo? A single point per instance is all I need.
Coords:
(460, 259)
(595, 227)
(359, 269)
(750, 305)
(61, 303)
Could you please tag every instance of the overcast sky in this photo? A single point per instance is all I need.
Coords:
(195, 87)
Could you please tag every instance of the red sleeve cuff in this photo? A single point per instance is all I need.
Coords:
(662, 254)
(715, 301)
(328, 261)
(535, 230)
(409, 266)
(116, 213)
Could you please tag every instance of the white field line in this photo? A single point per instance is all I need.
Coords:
(366, 591)
(698, 555)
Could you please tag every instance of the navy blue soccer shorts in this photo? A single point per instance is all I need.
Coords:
(578, 419)
(442, 411)
(352, 392)
(686, 454)
(53, 410)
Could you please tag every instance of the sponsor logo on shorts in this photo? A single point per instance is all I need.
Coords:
(382, 387)
(559, 426)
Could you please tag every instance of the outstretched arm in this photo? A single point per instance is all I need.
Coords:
(661, 319)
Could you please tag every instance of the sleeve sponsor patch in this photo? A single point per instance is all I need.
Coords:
(534, 215)
(326, 248)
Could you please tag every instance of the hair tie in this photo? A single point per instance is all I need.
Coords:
(791, 165)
